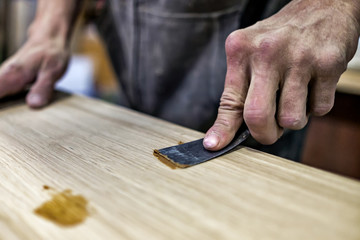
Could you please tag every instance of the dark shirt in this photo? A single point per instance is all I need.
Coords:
(169, 57)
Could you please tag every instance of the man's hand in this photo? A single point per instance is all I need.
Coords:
(44, 57)
(284, 68)
(39, 61)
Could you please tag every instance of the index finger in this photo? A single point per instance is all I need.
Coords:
(230, 113)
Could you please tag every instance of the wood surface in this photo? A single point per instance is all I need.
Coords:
(104, 153)
(349, 82)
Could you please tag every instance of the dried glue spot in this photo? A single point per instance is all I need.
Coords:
(167, 161)
(64, 208)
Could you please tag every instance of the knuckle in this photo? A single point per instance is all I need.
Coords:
(294, 122)
(257, 117)
(269, 45)
(231, 102)
(14, 75)
(236, 42)
(301, 56)
(230, 112)
(14, 67)
(332, 61)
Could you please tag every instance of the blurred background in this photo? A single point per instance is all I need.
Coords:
(332, 143)
(89, 64)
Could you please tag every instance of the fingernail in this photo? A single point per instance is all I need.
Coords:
(35, 99)
(211, 141)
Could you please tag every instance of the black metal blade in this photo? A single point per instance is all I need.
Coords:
(192, 153)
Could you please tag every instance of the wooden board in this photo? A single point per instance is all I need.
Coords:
(104, 153)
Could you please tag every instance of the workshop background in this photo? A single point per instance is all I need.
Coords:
(333, 141)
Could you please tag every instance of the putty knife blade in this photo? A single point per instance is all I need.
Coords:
(192, 153)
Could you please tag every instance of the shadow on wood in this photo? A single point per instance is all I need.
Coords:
(19, 99)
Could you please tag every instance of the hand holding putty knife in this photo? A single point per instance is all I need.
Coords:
(192, 153)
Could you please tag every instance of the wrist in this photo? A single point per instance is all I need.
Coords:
(54, 19)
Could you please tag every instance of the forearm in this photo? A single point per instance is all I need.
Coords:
(54, 18)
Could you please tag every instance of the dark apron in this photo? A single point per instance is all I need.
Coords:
(169, 55)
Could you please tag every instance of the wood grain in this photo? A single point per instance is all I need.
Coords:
(104, 153)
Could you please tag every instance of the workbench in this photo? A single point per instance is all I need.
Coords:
(104, 153)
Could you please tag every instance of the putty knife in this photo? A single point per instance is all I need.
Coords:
(192, 153)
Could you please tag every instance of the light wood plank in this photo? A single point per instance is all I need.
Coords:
(104, 153)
